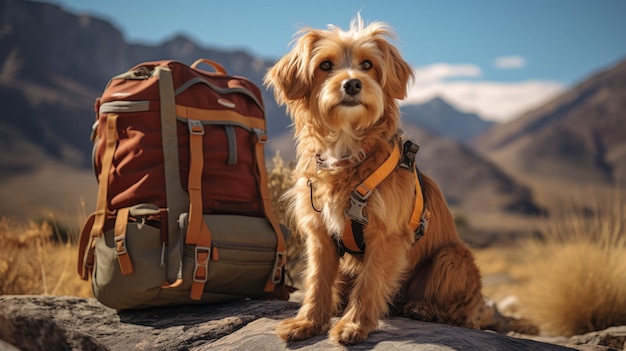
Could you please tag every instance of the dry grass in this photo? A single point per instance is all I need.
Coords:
(576, 274)
(32, 262)
(572, 279)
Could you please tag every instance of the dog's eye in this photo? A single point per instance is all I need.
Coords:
(366, 65)
(326, 66)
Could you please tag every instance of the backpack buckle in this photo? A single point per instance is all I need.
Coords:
(195, 127)
(201, 267)
(277, 270)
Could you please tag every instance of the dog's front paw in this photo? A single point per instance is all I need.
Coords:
(347, 332)
(294, 329)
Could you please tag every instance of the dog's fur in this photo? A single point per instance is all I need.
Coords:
(434, 279)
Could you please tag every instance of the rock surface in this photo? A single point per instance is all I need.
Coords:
(70, 323)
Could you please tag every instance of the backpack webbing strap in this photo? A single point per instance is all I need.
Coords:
(220, 117)
(177, 198)
(103, 181)
(123, 258)
(281, 249)
(84, 246)
(96, 221)
(198, 233)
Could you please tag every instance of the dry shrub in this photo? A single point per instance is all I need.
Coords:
(280, 179)
(32, 262)
(576, 279)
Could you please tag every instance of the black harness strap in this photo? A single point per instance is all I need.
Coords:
(359, 239)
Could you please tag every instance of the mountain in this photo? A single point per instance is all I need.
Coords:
(577, 138)
(470, 181)
(53, 64)
(440, 117)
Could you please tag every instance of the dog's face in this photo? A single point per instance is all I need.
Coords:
(341, 80)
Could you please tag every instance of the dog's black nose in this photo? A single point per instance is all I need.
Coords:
(352, 87)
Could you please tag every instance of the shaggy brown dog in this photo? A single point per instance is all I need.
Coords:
(340, 88)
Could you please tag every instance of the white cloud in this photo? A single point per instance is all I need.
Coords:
(497, 101)
(509, 62)
(440, 71)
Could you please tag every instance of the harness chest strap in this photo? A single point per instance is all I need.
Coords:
(362, 192)
(353, 240)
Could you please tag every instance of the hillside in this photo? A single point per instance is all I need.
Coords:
(476, 189)
(53, 64)
(576, 139)
(441, 118)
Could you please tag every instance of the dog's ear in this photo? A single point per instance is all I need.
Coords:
(291, 76)
(398, 72)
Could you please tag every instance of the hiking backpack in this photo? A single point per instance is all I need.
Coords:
(183, 212)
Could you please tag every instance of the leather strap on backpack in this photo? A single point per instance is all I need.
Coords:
(84, 245)
(218, 68)
(177, 198)
(219, 116)
(86, 253)
(198, 233)
(121, 220)
(103, 181)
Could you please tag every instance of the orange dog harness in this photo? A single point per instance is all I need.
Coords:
(353, 240)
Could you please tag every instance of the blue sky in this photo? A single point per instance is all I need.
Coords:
(497, 58)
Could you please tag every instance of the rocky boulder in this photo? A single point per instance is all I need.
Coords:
(70, 323)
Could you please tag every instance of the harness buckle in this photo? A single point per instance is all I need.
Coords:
(409, 151)
(357, 202)
(423, 226)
